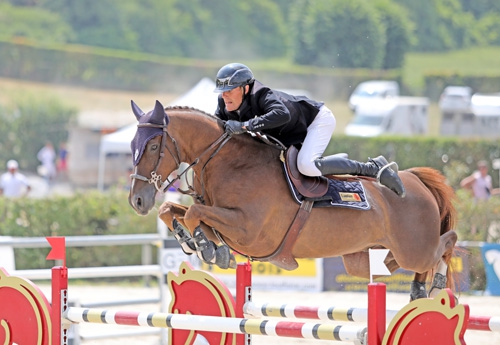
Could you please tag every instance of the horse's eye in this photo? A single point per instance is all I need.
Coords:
(154, 147)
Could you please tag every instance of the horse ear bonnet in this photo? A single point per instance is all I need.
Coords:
(144, 134)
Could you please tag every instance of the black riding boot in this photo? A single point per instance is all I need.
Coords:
(376, 167)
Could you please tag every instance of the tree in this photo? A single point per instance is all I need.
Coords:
(29, 123)
(441, 25)
(245, 30)
(399, 32)
(342, 34)
(98, 23)
(36, 24)
(489, 28)
(481, 8)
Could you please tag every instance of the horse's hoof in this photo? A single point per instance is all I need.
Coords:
(223, 258)
(205, 249)
(417, 290)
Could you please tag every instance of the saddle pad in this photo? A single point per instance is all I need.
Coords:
(341, 193)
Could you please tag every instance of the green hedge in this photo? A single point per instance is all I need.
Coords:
(454, 156)
(436, 82)
(94, 67)
(89, 213)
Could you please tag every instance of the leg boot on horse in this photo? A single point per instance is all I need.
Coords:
(386, 173)
(183, 237)
(210, 253)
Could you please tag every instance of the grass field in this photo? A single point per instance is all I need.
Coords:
(475, 61)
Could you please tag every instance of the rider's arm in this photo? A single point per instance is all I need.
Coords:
(275, 113)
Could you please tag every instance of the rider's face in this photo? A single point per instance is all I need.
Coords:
(233, 98)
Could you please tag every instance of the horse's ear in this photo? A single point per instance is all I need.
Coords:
(159, 115)
(137, 111)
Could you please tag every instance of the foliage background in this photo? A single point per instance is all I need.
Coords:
(333, 33)
(88, 213)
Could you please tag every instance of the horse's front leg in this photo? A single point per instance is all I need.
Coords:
(201, 219)
(172, 215)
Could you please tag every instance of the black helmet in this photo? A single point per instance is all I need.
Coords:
(231, 76)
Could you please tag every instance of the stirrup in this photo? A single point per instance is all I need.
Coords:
(392, 180)
(392, 165)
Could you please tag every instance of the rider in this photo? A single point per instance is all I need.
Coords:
(248, 105)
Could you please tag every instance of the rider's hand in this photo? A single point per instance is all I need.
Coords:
(235, 127)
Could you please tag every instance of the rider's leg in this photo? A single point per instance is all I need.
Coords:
(311, 163)
(376, 167)
(318, 136)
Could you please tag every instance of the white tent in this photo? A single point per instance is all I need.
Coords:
(201, 96)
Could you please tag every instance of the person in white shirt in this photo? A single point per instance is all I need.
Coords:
(13, 184)
(479, 182)
(47, 156)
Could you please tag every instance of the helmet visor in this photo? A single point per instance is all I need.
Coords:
(224, 84)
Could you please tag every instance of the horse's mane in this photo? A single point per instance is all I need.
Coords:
(188, 108)
(183, 108)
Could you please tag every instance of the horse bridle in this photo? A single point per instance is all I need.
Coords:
(156, 179)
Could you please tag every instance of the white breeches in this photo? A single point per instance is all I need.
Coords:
(318, 136)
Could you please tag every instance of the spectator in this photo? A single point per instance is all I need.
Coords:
(479, 183)
(47, 157)
(62, 161)
(13, 184)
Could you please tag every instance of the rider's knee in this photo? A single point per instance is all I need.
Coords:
(307, 167)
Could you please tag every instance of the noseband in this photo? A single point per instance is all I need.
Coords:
(156, 179)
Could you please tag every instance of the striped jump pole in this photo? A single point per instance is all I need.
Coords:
(484, 323)
(308, 312)
(331, 331)
(290, 311)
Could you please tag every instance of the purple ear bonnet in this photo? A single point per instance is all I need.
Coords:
(145, 134)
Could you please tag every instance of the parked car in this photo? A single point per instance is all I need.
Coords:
(486, 104)
(373, 89)
(455, 99)
(398, 115)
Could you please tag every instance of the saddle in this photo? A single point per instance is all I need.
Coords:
(311, 192)
(313, 187)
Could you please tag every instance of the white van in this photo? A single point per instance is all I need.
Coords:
(373, 89)
(398, 115)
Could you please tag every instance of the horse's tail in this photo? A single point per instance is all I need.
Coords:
(444, 195)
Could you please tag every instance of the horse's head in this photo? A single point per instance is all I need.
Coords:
(155, 157)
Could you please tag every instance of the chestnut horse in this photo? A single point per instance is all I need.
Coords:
(242, 200)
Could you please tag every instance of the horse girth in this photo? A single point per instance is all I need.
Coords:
(282, 256)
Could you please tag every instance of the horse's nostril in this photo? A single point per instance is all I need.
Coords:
(139, 202)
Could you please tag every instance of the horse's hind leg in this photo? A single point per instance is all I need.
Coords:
(447, 244)
(445, 251)
(417, 287)
(440, 279)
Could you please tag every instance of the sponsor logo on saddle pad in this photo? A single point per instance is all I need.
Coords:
(350, 197)
(341, 193)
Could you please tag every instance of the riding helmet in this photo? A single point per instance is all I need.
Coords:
(231, 76)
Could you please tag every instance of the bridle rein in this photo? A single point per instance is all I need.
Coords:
(157, 179)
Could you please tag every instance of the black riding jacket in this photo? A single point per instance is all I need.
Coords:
(283, 116)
